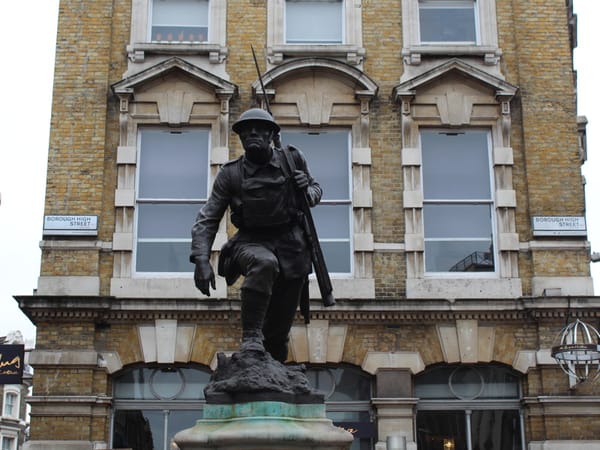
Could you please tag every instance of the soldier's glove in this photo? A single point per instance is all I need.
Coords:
(301, 179)
(204, 276)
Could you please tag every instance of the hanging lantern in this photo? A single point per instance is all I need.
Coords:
(578, 351)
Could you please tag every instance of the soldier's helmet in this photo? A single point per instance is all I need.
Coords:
(255, 115)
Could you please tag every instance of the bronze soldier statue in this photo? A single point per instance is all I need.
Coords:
(270, 248)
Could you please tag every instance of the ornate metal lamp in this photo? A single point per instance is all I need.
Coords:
(578, 351)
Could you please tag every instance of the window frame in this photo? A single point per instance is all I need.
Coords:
(350, 49)
(164, 405)
(14, 394)
(188, 274)
(447, 405)
(141, 45)
(349, 202)
(491, 202)
(486, 28)
(12, 442)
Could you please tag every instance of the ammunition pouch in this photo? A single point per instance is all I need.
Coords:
(227, 267)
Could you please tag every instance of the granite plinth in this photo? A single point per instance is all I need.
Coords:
(264, 425)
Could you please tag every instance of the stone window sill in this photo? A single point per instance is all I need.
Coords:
(137, 52)
(352, 54)
(491, 54)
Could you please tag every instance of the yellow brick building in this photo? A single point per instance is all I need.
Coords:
(446, 138)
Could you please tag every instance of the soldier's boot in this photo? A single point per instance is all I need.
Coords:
(254, 309)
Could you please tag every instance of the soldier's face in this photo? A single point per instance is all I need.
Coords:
(256, 139)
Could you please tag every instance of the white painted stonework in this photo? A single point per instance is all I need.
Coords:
(166, 341)
(75, 285)
(393, 360)
(318, 342)
(466, 342)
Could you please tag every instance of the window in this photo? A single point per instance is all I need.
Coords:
(8, 443)
(328, 156)
(443, 28)
(314, 21)
(447, 21)
(457, 201)
(172, 186)
(152, 404)
(347, 401)
(468, 407)
(10, 404)
(179, 21)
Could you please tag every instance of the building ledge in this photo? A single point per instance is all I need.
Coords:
(352, 54)
(137, 52)
(111, 309)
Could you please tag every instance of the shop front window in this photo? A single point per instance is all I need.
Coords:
(151, 404)
(468, 407)
(347, 401)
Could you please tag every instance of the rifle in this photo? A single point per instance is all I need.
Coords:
(317, 258)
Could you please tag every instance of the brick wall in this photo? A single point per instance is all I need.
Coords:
(82, 177)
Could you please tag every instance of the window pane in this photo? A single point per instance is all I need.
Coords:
(455, 166)
(344, 387)
(458, 238)
(332, 221)
(435, 428)
(179, 20)
(8, 443)
(170, 220)
(500, 383)
(358, 423)
(328, 157)
(313, 21)
(195, 382)
(139, 430)
(458, 256)
(351, 385)
(447, 21)
(173, 165)
(337, 256)
(342, 384)
(10, 401)
(457, 221)
(444, 382)
(144, 384)
(163, 257)
(496, 430)
(133, 385)
(180, 420)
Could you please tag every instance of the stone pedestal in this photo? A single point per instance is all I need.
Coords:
(264, 425)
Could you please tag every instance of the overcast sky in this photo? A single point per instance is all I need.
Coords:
(26, 77)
